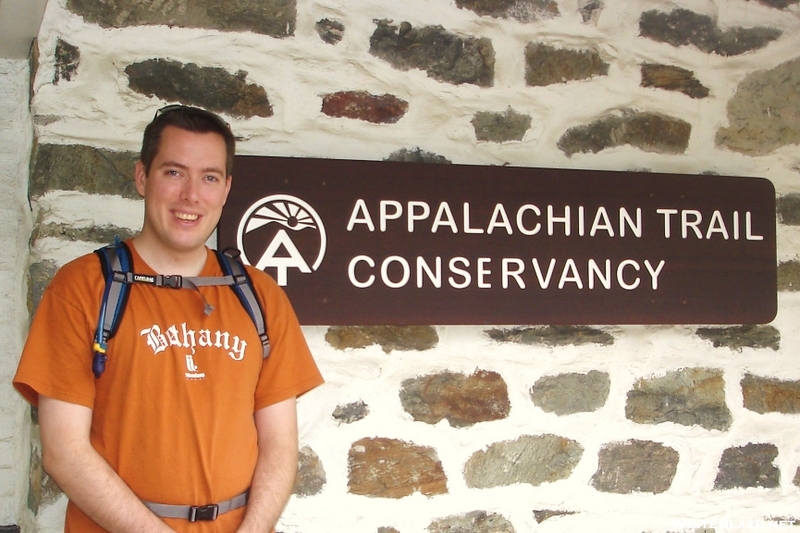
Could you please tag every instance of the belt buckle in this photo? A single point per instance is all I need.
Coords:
(203, 512)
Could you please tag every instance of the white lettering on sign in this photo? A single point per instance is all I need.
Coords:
(395, 272)
(526, 219)
(692, 225)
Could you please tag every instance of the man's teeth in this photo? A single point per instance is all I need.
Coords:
(186, 216)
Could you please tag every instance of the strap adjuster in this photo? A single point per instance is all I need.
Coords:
(203, 512)
(173, 282)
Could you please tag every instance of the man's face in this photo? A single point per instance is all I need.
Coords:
(185, 190)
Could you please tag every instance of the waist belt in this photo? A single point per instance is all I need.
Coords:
(193, 513)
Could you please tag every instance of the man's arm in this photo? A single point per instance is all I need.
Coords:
(84, 476)
(273, 479)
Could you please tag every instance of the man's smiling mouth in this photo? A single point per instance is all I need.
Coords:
(186, 216)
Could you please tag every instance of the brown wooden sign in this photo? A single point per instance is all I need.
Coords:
(365, 242)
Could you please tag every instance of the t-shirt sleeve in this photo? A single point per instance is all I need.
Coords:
(57, 358)
(290, 369)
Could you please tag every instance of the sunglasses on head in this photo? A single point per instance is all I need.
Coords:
(172, 108)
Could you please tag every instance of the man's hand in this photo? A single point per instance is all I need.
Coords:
(84, 476)
(273, 479)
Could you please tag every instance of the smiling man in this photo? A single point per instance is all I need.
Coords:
(188, 427)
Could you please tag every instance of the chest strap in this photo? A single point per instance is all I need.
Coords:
(195, 513)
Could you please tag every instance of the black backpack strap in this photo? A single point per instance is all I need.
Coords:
(243, 287)
(116, 263)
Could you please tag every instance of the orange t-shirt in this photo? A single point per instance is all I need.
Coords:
(173, 411)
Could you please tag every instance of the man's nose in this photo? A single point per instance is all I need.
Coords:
(189, 191)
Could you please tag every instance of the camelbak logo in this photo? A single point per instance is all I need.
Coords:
(282, 232)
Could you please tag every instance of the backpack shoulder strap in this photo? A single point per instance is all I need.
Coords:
(115, 261)
(243, 288)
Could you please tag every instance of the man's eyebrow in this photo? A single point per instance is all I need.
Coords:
(181, 166)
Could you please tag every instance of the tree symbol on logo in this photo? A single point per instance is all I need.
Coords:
(281, 214)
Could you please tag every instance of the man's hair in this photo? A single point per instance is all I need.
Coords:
(186, 118)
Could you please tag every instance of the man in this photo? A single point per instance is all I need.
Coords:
(188, 420)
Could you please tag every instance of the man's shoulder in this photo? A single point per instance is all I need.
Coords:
(78, 274)
(261, 278)
(85, 266)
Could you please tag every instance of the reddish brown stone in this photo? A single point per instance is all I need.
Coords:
(769, 395)
(390, 468)
(671, 78)
(384, 109)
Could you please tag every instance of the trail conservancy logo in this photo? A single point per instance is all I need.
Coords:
(282, 232)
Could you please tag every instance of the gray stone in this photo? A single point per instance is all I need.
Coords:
(403, 338)
(99, 234)
(689, 396)
(778, 4)
(738, 337)
(501, 127)
(462, 400)
(311, 476)
(763, 114)
(68, 58)
(361, 105)
(546, 65)
(682, 27)
(566, 394)
(41, 273)
(748, 466)
(521, 10)
(635, 466)
(788, 207)
(275, 18)
(330, 31)
(390, 468)
(590, 10)
(444, 56)
(528, 459)
(789, 276)
(672, 78)
(540, 515)
(43, 491)
(352, 412)
(650, 132)
(417, 155)
(76, 167)
(553, 336)
(474, 522)
(796, 479)
(770, 395)
(36, 475)
(212, 88)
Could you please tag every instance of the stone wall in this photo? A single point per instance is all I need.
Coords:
(488, 429)
(16, 135)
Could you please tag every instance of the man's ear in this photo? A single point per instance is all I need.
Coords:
(139, 177)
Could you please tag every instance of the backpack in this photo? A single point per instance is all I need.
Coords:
(117, 265)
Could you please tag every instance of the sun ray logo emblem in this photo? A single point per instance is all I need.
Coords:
(281, 232)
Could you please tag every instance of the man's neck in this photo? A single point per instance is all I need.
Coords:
(170, 262)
